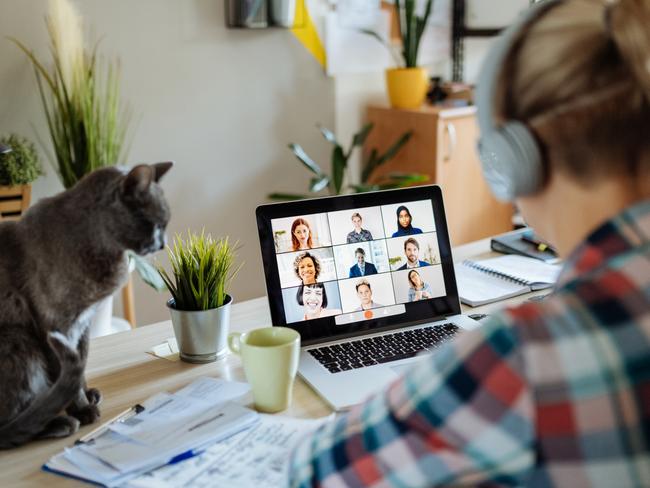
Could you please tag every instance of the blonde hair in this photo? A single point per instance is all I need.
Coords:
(579, 77)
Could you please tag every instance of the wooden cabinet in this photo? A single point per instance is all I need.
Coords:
(443, 146)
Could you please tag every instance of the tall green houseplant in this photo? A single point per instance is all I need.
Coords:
(80, 98)
(411, 27)
(407, 84)
(333, 183)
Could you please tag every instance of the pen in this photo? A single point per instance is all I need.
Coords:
(541, 246)
(121, 417)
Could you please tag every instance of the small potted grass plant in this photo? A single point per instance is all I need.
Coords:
(202, 269)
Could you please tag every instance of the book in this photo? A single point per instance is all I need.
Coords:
(525, 243)
(490, 280)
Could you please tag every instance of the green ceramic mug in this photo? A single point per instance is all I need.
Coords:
(270, 358)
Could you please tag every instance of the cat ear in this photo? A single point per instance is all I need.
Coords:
(160, 169)
(138, 180)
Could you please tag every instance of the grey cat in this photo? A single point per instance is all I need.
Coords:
(64, 256)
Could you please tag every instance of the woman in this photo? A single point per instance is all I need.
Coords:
(313, 299)
(418, 289)
(404, 227)
(550, 393)
(301, 235)
(307, 268)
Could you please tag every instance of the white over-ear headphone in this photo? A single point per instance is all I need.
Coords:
(510, 156)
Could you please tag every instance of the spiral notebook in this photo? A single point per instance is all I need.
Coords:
(494, 279)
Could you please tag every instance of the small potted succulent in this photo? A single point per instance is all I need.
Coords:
(19, 167)
(202, 269)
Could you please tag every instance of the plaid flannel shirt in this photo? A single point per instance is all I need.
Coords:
(551, 393)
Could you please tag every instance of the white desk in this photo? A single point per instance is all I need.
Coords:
(125, 374)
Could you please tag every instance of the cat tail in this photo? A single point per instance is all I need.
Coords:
(31, 421)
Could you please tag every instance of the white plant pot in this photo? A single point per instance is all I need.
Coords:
(101, 323)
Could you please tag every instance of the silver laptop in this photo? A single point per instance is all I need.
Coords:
(367, 280)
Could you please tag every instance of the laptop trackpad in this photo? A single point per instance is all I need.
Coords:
(400, 369)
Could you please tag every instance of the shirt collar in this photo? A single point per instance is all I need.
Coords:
(628, 230)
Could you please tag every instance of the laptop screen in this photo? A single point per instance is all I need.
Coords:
(340, 266)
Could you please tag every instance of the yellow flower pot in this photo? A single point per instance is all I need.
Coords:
(407, 87)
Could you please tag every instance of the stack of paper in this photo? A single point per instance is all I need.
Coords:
(258, 457)
(172, 428)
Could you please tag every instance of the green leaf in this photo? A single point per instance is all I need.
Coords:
(339, 163)
(318, 184)
(147, 272)
(391, 49)
(399, 180)
(361, 136)
(328, 134)
(408, 176)
(302, 156)
(286, 196)
(364, 188)
(370, 165)
(375, 161)
(392, 151)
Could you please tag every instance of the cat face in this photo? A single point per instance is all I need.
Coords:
(146, 214)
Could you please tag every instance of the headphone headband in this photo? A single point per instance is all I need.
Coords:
(510, 156)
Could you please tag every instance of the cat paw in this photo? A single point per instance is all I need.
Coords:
(86, 414)
(94, 396)
(61, 426)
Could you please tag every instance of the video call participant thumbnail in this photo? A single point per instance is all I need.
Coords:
(358, 234)
(363, 267)
(418, 288)
(364, 293)
(404, 227)
(313, 299)
(412, 252)
(307, 268)
(301, 235)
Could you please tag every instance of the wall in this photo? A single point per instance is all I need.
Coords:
(223, 104)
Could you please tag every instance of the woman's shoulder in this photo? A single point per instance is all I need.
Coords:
(416, 230)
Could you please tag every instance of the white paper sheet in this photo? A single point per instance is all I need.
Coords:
(159, 445)
(258, 457)
(171, 424)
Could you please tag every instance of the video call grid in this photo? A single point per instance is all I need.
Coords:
(332, 246)
(337, 265)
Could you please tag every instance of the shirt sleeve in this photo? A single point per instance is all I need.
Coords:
(463, 416)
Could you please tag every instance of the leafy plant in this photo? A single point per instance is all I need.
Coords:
(411, 29)
(21, 166)
(339, 165)
(81, 99)
(202, 269)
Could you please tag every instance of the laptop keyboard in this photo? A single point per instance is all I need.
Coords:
(382, 349)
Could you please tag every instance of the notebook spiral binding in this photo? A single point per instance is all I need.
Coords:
(505, 276)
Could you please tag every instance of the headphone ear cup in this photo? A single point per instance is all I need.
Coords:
(511, 161)
(528, 172)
